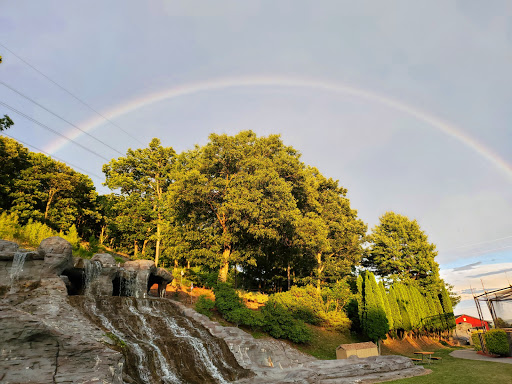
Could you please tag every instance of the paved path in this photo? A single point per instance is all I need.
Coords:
(472, 355)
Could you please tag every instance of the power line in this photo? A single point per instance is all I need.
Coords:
(51, 130)
(480, 243)
(72, 95)
(60, 117)
(55, 157)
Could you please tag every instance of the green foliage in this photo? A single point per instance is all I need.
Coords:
(72, 237)
(335, 321)
(142, 177)
(303, 303)
(400, 251)
(476, 341)
(280, 323)
(34, 232)
(120, 343)
(8, 226)
(496, 341)
(232, 308)
(5, 122)
(257, 297)
(205, 305)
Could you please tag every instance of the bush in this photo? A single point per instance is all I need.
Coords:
(280, 323)
(35, 232)
(226, 299)
(496, 341)
(335, 321)
(303, 303)
(204, 305)
(8, 226)
(476, 341)
(257, 297)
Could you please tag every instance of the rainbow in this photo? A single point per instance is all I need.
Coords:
(273, 81)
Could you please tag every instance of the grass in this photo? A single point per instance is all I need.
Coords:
(452, 370)
(324, 343)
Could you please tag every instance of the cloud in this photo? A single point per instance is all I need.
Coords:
(491, 273)
(467, 267)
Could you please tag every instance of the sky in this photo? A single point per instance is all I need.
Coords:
(407, 104)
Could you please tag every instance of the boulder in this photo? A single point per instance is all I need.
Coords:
(7, 250)
(135, 277)
(106, 259)
(57, 256)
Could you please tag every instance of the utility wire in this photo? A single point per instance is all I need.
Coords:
(51, 130)
(480, 243)
(72, 95)
(56, 158)
(60, 117)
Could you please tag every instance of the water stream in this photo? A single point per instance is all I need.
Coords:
(160, 344)
(17, 267)
(91, 272)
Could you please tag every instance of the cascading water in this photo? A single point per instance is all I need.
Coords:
(160, 344)
(91, 272)
(17, 267)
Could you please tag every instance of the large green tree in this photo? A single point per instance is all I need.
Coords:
(143, 177)
(329, 229)
(49, 191)
(233, 192)
(400, 251)
(14, 159)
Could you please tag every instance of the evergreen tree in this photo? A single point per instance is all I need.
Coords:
(387, 307)
(395, 310)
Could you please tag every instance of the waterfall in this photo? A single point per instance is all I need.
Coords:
(17, 267)
(91, 272)
(169, 376)
(129, 284)
(159, 343)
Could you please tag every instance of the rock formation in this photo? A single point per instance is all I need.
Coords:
(68, 320)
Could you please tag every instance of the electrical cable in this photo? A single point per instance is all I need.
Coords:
(72, 95)
(52, 130)
(60, 117)
(55, 157)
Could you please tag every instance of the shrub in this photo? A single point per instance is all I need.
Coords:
(257, 297)
(204, 305)
(35, 232)
(226, 299)
(335, 321)
(280, 323)
(496, 341)
(303, 303)
(8, 226)
(476, 341)
(232, 307)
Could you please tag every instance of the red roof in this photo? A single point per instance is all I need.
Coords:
(474, 321)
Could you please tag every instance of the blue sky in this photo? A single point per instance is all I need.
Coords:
(449, 59)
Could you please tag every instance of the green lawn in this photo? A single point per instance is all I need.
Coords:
(453, 371)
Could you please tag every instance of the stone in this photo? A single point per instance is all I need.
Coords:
(57, 255)
(7, 249)
(106, 259)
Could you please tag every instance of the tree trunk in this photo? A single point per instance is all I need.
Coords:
(51, 194)
(102, 235)
(144, 246)
(224, 268)
(320, 269)
(288, 275)
(158, 232)
(135, 249)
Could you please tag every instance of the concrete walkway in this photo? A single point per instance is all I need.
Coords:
(472, 355)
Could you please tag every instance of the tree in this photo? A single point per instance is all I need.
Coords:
(14, 159)
(5, 122)
(230, 199)
(329, 229)
(374, 320)
(399, 251)
(51, 192)
(144, 176)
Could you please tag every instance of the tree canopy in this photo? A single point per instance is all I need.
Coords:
(400, 251)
